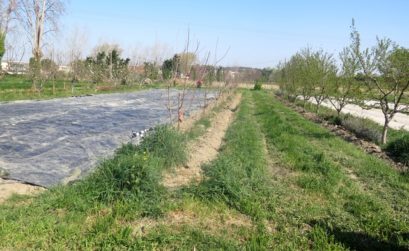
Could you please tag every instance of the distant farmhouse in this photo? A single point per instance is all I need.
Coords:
(14, 68)
(19, 68)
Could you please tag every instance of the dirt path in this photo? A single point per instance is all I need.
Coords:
(10, 187)
(203, 149)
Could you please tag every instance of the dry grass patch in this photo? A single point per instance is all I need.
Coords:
(204, 149)
(212, 219)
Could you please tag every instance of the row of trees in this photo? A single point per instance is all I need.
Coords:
(107, 65)
(380, 73)
(38, 20)
(181, 65)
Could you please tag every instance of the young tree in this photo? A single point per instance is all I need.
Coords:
(386, 73)
(290, 79)
(75, 42)
(345, 88)
(320, 71)
(151, 70)
(297, 75)
(50, 67)
(167, 68)
(187, 59)
(107, 64)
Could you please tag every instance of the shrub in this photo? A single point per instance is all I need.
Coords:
(279, 93)
(130, 174)
(399, 149)
(257, 86)
(332, 119)
(362, 129)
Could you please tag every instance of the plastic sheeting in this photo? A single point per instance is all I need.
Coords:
(55, 141)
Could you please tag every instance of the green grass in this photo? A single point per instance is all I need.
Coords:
(238, 176)
(88, 213)
(280, 182)
(338, 190)
(20, 88)
(201, 125)
(366, 129)
(367, 124)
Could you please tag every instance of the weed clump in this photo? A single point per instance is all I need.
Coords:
(134, 173)
(399, 149)
(257, 86)
(335, 120)
(167, 143)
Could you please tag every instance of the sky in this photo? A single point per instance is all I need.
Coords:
(257, 33)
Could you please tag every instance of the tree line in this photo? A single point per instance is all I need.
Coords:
(361, 75)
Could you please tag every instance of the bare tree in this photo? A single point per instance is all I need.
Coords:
(7, 9)
(15, 52)
(50, 66)
(39, 18)
(76, 41)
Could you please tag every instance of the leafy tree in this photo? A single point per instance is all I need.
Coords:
(386, 73)
(151, 70)
(266, 74)
(48, 65)
(320, 72)
(167, 69)
(108, 65)
(345, 88)
(187, 59)
(78, 70)
(220, 74)
(294, 76)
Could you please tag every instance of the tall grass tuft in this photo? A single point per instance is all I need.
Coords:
(399, 149)
(167, 143)
(134, 173)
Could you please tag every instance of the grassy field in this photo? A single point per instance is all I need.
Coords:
(280, 182)
(20, 88)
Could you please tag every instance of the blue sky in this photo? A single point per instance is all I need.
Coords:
(259, 33)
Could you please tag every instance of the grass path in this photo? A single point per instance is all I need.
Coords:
(370, 211)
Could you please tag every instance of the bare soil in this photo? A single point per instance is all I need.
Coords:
(11, 187)
(204, 149)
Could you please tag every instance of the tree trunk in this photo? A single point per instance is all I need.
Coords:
(110, 67)
(385, 132)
